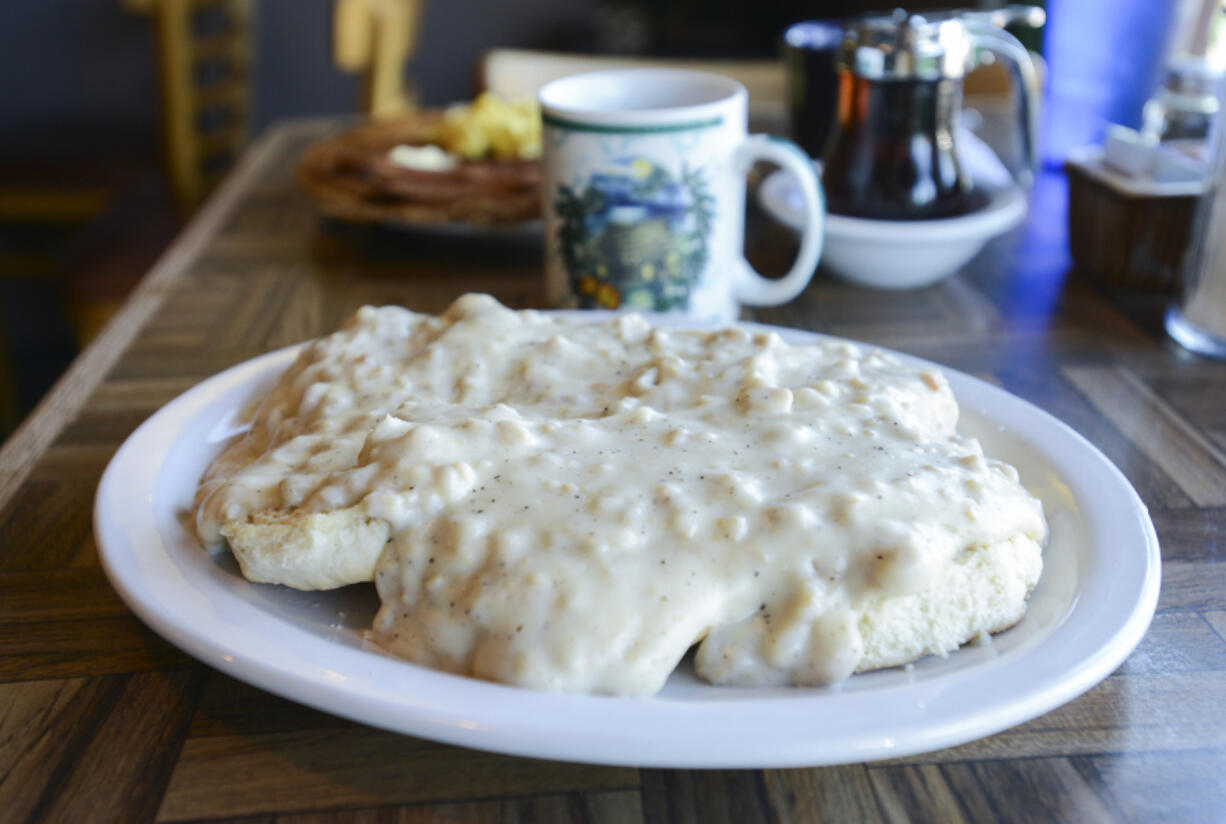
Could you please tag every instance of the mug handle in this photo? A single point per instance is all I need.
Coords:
(750, 287)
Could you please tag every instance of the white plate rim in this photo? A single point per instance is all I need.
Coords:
(728, 729)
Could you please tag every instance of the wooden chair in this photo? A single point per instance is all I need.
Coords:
(377, 38)
(204, 57)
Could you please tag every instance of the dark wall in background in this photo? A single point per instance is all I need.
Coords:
(78, 77)
(296, 75)
(456, 32)
(73, 72)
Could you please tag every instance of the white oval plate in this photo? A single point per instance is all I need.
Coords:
(1093, 603)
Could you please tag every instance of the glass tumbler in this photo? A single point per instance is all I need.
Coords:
(1197, 320)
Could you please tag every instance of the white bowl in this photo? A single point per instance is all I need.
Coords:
(898, 254)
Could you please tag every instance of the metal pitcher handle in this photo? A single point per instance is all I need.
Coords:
(985, 37)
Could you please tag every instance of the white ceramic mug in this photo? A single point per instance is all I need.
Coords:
(644, 194)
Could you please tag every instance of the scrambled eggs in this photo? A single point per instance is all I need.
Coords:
(491, 126)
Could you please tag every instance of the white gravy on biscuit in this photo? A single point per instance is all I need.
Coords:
(572, 505)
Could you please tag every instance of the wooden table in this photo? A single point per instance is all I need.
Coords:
(100, 720)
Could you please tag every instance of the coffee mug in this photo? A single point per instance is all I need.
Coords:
(644, 194)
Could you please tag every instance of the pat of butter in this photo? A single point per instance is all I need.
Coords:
(422, 158)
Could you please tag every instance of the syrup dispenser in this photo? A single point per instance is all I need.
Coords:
(893, 153)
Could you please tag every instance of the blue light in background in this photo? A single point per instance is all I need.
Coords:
(1104, 60)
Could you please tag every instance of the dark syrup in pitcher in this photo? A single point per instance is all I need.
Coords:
(891, 156)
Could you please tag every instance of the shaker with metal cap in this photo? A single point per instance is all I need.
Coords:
(892, 155)
(1184, 108)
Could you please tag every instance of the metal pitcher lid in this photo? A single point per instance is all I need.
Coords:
(902, 46)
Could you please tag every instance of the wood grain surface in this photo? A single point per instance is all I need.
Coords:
(101, 720)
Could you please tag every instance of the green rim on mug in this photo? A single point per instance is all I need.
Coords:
(601, 128)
